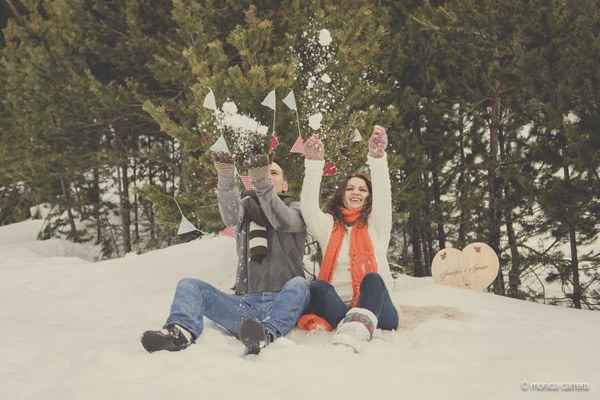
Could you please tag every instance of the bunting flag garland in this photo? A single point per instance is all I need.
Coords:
(247, 182)
(298, 146)
(270, 101)
(330, 169)
(274, 143)
(290, 101)
(220, 145)
(228, 231)
(185, 226)
(209, 101)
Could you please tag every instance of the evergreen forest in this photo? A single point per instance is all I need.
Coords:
(492, 110)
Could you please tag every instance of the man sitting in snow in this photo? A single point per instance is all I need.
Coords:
(270, 291)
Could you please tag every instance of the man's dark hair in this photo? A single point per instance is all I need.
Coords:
(278, 162)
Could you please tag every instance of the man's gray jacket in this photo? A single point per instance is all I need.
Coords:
(286, 235)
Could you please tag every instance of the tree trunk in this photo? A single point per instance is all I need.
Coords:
(575, 267)
(494, 184)
(435, 186)
(150, 210)
(185, 184)
(175, 168)
(96, 201)
(426, 235)
(514, 275)
(427, 251)
(124, 207)
(405, 244)
(136, 221)
(462, 196)
(574, 258)
(67, 196)
(418, 270)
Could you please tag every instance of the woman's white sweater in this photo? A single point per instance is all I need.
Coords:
(320, 224)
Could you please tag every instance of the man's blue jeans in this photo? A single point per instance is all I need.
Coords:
(277, 311)
(374, 296)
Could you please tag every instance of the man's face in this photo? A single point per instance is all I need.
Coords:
(276, 178)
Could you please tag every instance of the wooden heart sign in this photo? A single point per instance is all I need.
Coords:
(475, 267)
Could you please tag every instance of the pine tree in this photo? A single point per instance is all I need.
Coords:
(482, 41)
(79, 69)
(235, 64)
(99, 95)
(427, 144)
(50, 138)
(568, 204)
(244, 64)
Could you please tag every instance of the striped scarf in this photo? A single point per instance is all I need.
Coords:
(257, 230)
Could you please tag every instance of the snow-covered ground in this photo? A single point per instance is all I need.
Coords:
(70, 329)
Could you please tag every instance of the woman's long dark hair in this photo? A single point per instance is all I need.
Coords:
(337, 201)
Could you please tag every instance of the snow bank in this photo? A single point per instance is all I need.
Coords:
(70, 330)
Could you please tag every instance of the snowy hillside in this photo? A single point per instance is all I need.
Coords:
(70, 329)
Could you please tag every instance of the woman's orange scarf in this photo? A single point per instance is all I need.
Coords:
(362, 255)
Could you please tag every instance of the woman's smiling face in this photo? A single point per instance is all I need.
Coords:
(356, 193)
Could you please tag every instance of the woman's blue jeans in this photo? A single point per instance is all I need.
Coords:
(278, 312)
(374, 296)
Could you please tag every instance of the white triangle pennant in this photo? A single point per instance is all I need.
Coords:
(270, 101)
(210, 102)
(220, 145)
(185, 226)
(290, 101)
(356, 136)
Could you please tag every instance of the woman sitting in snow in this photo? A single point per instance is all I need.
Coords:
(352, 290)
